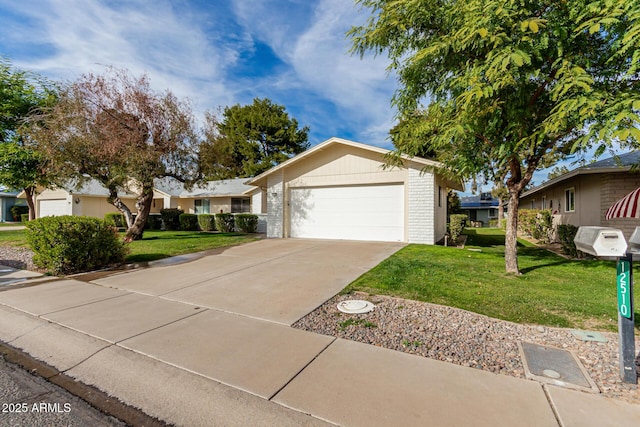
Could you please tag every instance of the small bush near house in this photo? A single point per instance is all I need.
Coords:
(207, 222)
(536, 223)
(154, 222)
(171, 218)
(116, 219)
(73, 244)
(188, 222)
(17, 211)
(247, 223)
(566, 234)
(24, 217)
(225, 222)
(456, 225)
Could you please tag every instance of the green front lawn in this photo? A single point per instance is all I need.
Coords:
(552, 291)
(158, 244)
(162, 244)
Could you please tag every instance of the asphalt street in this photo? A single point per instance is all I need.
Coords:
(29, 400)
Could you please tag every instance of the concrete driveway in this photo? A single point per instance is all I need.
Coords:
(279, 280)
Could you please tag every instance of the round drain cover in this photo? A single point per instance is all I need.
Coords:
(355, 306)
(551, 374)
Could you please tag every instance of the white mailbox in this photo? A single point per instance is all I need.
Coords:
(600, 241)
(634, 241)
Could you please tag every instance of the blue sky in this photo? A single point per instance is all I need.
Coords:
(218, 53)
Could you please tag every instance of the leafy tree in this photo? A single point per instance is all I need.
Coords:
(115, 129)
(557, 171)
(511, 86)
(453, 203)
(22, 95)
(251, 139)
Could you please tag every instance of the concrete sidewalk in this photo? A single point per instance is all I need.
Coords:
(191, 364)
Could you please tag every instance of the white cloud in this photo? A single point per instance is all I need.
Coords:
(143, 36)
(317, 49)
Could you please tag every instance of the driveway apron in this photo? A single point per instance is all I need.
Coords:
(279, 280)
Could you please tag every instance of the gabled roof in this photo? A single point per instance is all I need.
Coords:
(226, 187)
(330, 143)
(621, 163)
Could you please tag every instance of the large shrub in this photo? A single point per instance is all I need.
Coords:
(171, 218)
(536, 223)
(116, 219)
(247, 223)
(225, 222)
(72, 244)
(17, 211)
(207, 222)
(154, 222)
(188, 222)
(456, 225)
(566, 234)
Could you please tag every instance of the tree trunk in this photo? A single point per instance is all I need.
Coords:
(500, 212)
(143, 205)
(511, 238)
(32, 207)
(119, 204)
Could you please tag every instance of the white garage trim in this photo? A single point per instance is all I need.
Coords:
(56, 207)
(366, 212)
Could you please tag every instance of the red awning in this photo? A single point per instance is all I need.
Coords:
(627, 207)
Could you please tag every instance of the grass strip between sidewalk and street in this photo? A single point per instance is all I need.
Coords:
(552, 290)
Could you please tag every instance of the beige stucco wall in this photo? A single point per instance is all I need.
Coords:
(97, 206)
(52, 194)
(341, 165)
(594, 194)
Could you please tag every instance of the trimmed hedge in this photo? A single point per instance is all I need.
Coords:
(247, 223)
(456, 225)
(17, 211)
(207, 222)
(566, 234)
(116, 219)
(73, 244)
(225, 222)
(536, 223)
(154, 222)
(171, 218)
(188, 222)
(24, 218)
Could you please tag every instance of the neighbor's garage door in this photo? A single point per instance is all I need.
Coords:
(372, 212)
(53, 208)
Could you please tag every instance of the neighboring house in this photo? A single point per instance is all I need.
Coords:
(341, 189)
(480, 209)
(7, 200)
(583, 195)
(90, 199)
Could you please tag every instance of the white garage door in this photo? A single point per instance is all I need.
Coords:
(374, 212)
(57, 207)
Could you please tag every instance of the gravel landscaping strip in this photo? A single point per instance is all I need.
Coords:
(16, 257)
(465, 338)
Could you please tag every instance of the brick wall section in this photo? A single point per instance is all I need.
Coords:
(615, 186)
(275, 205)
(421, 209)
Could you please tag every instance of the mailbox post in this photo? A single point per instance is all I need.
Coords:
(609, 242)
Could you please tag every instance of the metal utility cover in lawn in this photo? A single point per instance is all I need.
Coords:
(555, 366)
(588, 335)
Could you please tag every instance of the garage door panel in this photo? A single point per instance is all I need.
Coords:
(357, 213)
(57, 207)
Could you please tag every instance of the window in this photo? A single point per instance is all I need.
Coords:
(439, 196)
(570, 200)
(544, 202)
(202, 206)
(533, 203)
(240, 205)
